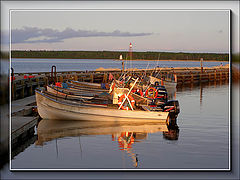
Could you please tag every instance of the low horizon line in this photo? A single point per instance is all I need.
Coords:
(127, 51)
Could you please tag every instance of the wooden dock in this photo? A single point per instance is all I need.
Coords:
(25, 83)
(22, 120)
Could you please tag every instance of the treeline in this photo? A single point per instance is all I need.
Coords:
(116, 54)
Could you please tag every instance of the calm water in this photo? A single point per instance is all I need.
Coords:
(202, 143)
(44, 65)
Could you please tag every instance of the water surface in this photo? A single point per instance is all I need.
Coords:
(202, 141)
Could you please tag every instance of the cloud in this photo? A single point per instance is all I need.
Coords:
(48, 35)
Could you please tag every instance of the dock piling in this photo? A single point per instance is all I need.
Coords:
(201, 62)
(53, 74)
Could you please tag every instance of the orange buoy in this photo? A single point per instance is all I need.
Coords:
(151, 93)
(131, 99)
(58, 84)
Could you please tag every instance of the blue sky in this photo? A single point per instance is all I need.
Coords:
(152, 30)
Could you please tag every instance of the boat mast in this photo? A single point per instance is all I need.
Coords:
(130, 55)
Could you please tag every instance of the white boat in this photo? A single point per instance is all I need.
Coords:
(52, 107)
(87, 84)
(75, 93)
(80, 87)
(168, 83)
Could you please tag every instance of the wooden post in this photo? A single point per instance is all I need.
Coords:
(37, 80)
(45, 81)
(91, 77)
(201, 62)
(175, 77)
(75, 78)
(183, 78)
(31, 88)
(64, 77)
(53, 74)
(191, 76)
(22, 90)
(215, 75)
(13, 91)
(104, 78)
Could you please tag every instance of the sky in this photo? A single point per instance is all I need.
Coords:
(149, 30)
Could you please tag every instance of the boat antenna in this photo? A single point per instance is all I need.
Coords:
(158, 58)
(130, 55)
(146, 69)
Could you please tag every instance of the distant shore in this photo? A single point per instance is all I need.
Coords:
(114, 55)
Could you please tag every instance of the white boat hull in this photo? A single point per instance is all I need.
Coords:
(51, 108)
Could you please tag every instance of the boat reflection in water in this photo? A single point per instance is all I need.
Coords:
(172, 133)
(124, 133)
